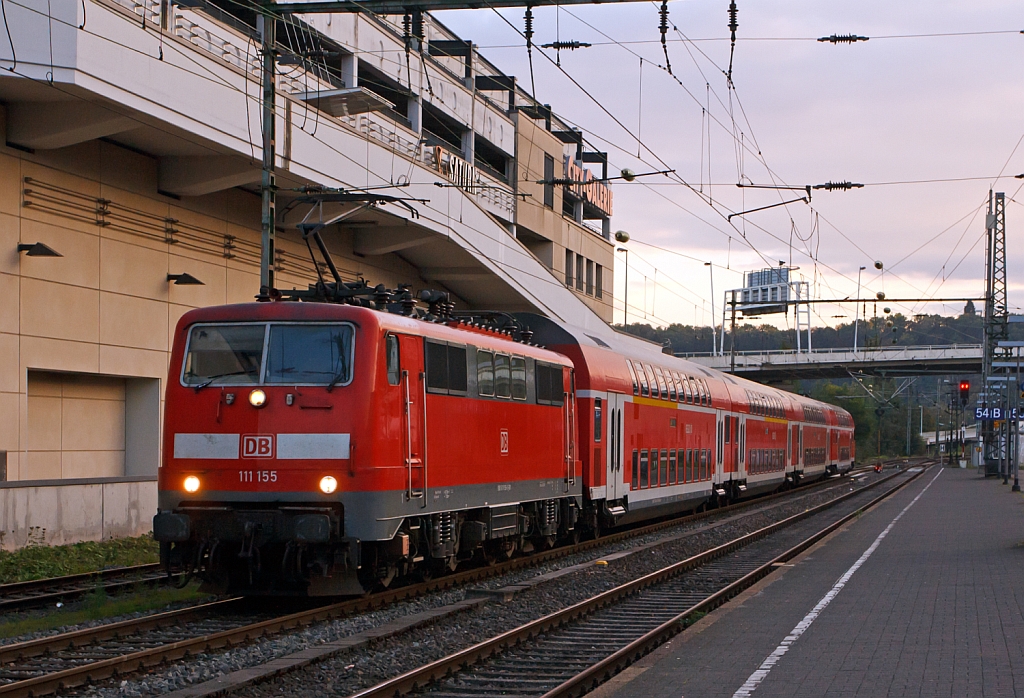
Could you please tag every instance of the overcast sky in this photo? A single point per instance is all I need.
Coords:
(886, 110)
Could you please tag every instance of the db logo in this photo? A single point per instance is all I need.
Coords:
(258, 446)
(504, 442)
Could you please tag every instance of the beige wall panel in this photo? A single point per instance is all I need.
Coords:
(10, 366)
(9, 422)
(61, 177)
(42, 465)
(143, 363)
(10, 236)
(44, 423)
(211, 273)
(80, 264)
(10, 184)
(133, 270)
(132, 322)
(42, 384)
(130, 238)
(122, 171)
(242, 287)
(13, 469)
(91, 425)
(78, 464)
(10, 308)
(202, 214)
(174, 313)
(60, 355)
(91, 387)
(59, 311)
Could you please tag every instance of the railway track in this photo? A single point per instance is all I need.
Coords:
(570, 652)
(42, 666)
(39, 592)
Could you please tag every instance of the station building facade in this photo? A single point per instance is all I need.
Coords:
(129, 194)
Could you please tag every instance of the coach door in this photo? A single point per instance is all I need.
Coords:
(414, 416)
(615, 486)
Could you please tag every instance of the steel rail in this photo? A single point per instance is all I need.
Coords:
(135, 661)
(423, 676)
(37, 591)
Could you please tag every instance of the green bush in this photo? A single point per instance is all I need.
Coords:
(38, 561)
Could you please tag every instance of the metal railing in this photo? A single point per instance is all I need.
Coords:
(839, 350)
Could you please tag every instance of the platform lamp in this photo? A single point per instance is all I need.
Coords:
(184, 280)
(38, 249)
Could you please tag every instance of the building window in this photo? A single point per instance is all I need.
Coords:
(590, 278)
(579, 272)
(568, 268)
(549, 185)
(598, 281)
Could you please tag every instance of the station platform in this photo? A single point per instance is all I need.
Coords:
(935, 609)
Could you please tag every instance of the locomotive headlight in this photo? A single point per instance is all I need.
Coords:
(191, 484)
(328, 484)
(257, 398)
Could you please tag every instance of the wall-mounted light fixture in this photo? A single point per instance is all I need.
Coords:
(184, 280)
(37, 249)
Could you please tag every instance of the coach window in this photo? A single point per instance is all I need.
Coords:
(632, 374)
(485, 373)
(548, 384)
(636, 470)
(518, 378)
(672, 467)
(688, 399)
(394, 365)
(598, 422)
(694, 399)
(643, 469)
(662, 386)
(652, 381)
(707, 391)
(645, 391)
(664, 467)
(728, 429)
(502, 376)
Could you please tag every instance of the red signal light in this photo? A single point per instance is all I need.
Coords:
(965, 392)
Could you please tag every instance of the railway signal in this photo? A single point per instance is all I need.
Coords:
(965, 392)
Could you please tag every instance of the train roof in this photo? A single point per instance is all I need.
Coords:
(553, 334)
(453, 331)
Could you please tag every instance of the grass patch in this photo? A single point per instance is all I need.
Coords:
(97, 606)
(37, 561)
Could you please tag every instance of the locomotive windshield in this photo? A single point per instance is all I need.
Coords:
(289, 354)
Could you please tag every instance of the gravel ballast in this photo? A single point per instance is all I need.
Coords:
(347, 672)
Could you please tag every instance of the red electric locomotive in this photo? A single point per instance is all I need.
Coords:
(320, 448)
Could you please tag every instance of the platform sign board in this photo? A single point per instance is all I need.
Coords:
(994, 414)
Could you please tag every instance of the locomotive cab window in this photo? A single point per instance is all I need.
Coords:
(392, 359)
(316, 354)
(227, 354)
(485, 373)
(446, 368)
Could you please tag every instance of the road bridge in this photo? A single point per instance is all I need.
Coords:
(780, 365)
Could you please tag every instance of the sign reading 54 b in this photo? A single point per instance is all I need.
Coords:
(994, 413)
